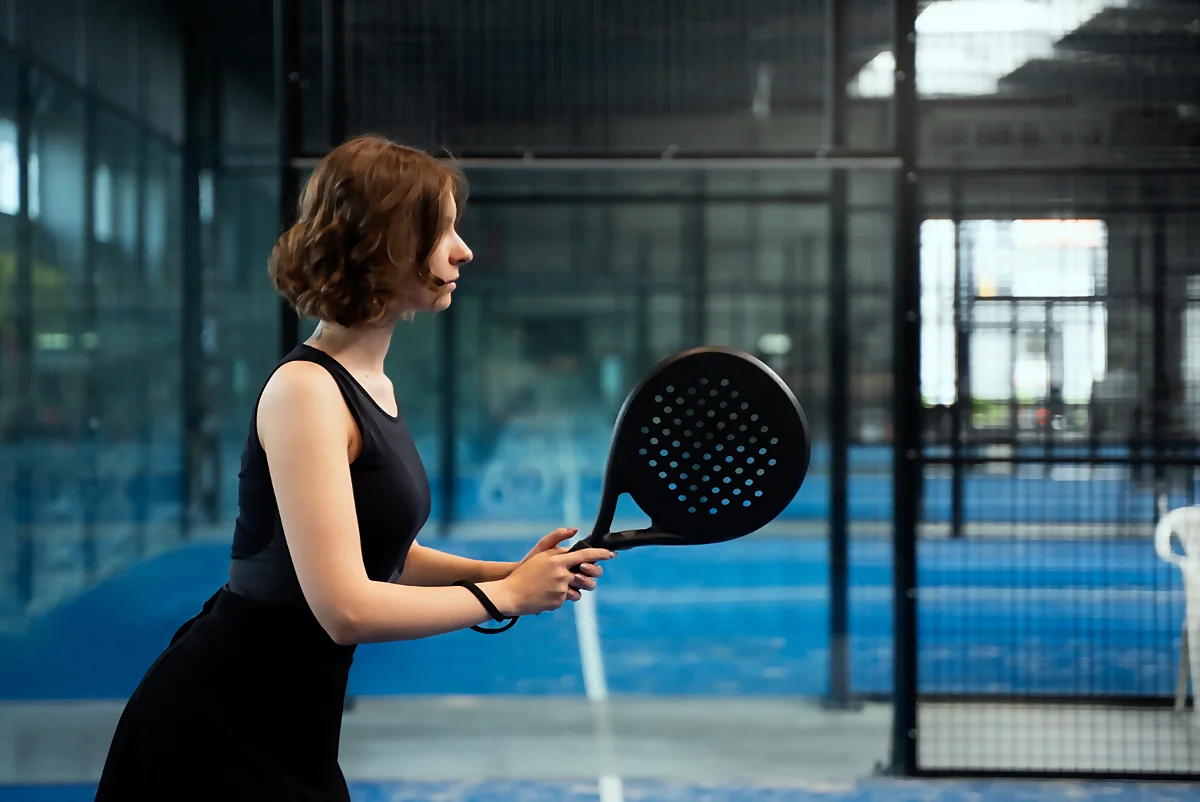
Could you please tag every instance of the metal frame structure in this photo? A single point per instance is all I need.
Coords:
(834, 157)
(840, 687)
(688, 161)
(1152, 449)
(194, 91)
(25, 323)
(901, 160)
(289, 130)
(907, 470)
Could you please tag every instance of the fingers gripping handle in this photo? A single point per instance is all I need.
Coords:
(628, 539)
(617, 541)
(583, 543)
(613, 541)
(509, 621)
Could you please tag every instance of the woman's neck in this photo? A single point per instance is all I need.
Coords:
(362, 349)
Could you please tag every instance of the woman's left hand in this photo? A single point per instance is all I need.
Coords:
(588, 573)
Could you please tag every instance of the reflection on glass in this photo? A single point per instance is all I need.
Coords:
(12, 361)
(92, 462)
(62, 427)
(243, 316)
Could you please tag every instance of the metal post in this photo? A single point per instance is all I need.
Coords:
(1014, 405)
(447, 409)
(333, 59)
(23, 312)
(791, 313)
(695, 244)
(839, 695)
(641, 323)
(192, 300)
(90, 464)
(964, 289)
(1136, 420)
(288, 132)
(146, 452)
(907, 463)
(1163, 349)
(1048, 401)
(210, 439)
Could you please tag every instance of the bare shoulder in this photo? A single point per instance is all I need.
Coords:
(300, 396)
(299, 381)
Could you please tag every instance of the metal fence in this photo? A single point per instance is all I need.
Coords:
(964, 233)
(645, 178)
(977, 281)
(1057, 362)
(1049, 629)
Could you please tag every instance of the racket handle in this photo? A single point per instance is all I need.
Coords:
(631, 538)
(613, 541)
(582, 544)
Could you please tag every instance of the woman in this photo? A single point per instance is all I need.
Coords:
(246, 701)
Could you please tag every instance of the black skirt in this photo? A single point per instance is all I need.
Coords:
(245, 703)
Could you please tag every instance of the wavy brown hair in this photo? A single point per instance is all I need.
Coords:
(369, 218)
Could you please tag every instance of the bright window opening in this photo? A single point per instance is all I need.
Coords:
(1031, 304)
(965, 47)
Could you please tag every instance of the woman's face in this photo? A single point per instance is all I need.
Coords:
(446, 261)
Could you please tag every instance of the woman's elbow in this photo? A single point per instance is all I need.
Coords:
(343, 634)
(341, 624)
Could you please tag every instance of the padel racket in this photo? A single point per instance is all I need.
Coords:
(711, 446)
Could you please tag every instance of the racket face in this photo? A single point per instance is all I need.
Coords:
(711, 446)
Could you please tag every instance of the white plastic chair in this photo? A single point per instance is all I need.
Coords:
(1184, 524)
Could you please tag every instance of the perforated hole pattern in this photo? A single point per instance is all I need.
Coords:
(708, 446)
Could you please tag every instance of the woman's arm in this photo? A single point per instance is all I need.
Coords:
(306, 431)
(427, 567)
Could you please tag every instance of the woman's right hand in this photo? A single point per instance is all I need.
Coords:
(543, 582)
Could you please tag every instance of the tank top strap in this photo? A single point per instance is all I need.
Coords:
(362, 407)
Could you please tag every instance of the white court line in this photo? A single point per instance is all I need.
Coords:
(595, 684)
(591, 657)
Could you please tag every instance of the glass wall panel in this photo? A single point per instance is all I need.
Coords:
(13, 310)
(60, 447)
(242, 309)
(160, 334)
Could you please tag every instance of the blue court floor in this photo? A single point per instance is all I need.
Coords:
(746, 618)
(862, 791)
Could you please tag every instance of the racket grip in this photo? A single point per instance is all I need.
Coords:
(584, 543)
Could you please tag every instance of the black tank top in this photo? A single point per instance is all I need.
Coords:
(391, 498)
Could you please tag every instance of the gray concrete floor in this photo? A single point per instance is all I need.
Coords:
(743, 740)
(470, 738)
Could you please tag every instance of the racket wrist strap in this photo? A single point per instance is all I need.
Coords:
(488, 605)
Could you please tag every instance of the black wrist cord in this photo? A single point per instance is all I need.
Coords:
(492, 610)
